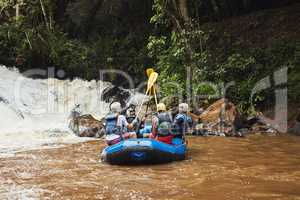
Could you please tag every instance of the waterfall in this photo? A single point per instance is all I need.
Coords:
(34, 112)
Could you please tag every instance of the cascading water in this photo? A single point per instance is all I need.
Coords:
(34, 112)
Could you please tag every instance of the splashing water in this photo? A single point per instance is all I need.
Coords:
(34, 112)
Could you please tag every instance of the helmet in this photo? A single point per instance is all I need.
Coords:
(183, 107)
(116, 107)
(161, 107)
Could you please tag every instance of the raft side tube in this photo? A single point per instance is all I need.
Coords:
(143, 151)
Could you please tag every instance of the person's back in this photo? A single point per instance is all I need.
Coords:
(162, 124)
(111, 124)
(112, 131)
(117, 125)
(182, 121)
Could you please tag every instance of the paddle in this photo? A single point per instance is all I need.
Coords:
(155, 97)
(149, 71)
(151, 81)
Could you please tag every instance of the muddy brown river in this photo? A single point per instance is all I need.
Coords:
(258, 168)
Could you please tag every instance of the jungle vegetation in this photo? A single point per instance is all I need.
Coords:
(187, 41)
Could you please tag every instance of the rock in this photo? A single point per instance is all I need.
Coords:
(4, 100)
(220, 110)
(242, 132)
(220, 118)
(258, 126)
(114, 93)
(295, 127)
(87, 126)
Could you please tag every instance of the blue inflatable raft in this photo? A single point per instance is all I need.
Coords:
(144, 151)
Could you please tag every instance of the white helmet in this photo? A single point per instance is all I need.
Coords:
(161, 107)
(116, 107)
(183, 107)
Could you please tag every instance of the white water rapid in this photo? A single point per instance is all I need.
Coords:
(34, 112)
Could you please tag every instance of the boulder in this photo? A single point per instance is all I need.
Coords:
(221, 110)
(87, 126)
(295, 129)
(114, 93)
(220, 117)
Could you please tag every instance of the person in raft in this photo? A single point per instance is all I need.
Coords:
(162, 125)
(182, 121)
(116, 124)
(132, 117)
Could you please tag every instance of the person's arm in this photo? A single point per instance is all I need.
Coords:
(189, 121)
(194, 116)
(126, 124)
(154, 127)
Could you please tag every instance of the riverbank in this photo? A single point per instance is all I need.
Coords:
(256, 167)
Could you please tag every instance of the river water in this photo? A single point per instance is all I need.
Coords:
(41, 159)
(257, 167)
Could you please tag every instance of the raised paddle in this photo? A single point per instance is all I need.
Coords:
(149, 71)
(151, 81)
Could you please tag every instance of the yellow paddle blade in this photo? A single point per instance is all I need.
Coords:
(149, 71)
(151, 81)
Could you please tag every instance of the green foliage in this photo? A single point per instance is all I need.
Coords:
(173, 52)
(7, 41)
(85, 37)
(159, 9)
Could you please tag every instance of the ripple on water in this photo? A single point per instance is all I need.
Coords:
(217, 168)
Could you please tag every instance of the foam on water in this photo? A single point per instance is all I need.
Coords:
(34, 112)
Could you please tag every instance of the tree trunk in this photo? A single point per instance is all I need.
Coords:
(44, 14)
(17, 10)
(183, 7)
(181, 11)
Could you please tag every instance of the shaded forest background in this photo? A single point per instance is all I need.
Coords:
(214, 40)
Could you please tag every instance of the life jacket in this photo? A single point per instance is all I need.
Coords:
(111, 124)
(181, 123)
(130, 118)
(164, 124)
